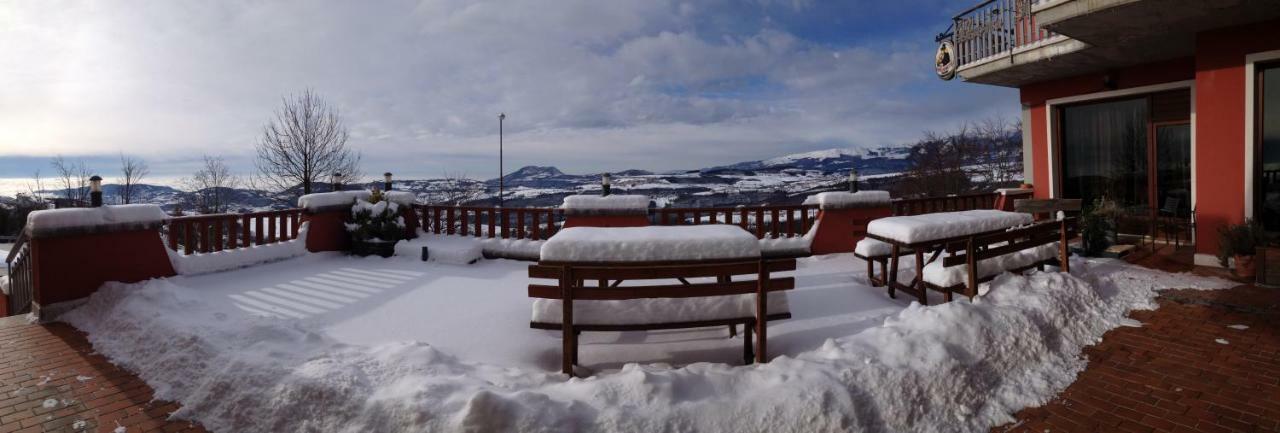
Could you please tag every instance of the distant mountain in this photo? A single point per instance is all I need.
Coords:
(867, 161)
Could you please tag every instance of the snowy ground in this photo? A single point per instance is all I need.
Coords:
(332, 343)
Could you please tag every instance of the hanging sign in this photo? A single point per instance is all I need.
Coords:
(944, 61)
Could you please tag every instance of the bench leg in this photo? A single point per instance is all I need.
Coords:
(748, 352)
(733, 330)
(884, 271)
(570, 355)
(871, 273)
(893, 272)
(946, 295)
(919, 281)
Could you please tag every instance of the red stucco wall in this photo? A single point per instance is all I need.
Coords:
(839, 230)
(1220, 123)
(606, 221)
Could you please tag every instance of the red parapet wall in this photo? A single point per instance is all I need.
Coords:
(326, 230)
(71, 267)
(840, 229)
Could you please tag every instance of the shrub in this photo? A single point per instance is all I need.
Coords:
(1239, 240)
(376, 219)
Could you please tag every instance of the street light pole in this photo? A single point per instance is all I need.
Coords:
(501, 172)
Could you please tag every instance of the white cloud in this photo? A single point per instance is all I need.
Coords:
(587, 85)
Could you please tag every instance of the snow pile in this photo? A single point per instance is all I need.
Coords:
(959, 366)
(942, 225)
(868, 247)
(403, 198)
(650, 244)
(43, 222)
(327, 200)
(520, 249)
(606, 203)
(936, 274)
(845, 200)
(454, 250)
(4, 284)
(789, 246)
(657, 310)
(197, 263)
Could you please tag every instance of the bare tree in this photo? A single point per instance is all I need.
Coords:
(304, 144)
(209, 189)
(940, 164)
(999, 150)
(453, 188)
(74, 177)
(132, 170)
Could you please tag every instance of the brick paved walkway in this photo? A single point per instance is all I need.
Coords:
(1185, 370)
(52, 381)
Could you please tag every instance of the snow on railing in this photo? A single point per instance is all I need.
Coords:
(20, 279)
(218, 232)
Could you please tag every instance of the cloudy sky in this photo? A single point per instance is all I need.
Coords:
(587, 85)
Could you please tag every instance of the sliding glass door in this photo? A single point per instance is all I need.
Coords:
(1266, 177)
(1104, 152)
(1134, 152)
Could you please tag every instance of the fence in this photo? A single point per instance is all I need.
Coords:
(995, 27)
(542, 223)
(951, 203)
(20, 276)
(218, 232)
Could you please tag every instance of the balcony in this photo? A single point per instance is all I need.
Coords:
(1016, 42)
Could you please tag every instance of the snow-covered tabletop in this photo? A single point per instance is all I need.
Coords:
(942, 225)
(650, 244)
(605, 205)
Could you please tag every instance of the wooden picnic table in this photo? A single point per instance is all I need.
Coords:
(931, 234)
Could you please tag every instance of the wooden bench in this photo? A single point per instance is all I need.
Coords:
(982, 257)
(874, 251)
(654, 280)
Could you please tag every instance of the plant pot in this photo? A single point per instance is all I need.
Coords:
(364, 248)
(1245, 266)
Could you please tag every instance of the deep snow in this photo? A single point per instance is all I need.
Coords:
(332, 343)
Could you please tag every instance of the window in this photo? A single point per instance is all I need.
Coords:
(1267, 149)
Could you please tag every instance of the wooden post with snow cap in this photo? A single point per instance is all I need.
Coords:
(570, 341)
(762, 312)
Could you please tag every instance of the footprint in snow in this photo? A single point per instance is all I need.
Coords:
(49, 403)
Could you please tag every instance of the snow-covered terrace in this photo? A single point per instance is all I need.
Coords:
(337, 343)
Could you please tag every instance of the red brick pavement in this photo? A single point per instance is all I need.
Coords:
(1184, 370)
(52, 381)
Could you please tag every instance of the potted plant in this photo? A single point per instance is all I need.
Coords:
(375, 226)
(1095, 229)
(1240, 242)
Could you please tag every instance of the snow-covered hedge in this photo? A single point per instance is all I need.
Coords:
(330, 200)
(197, 263)
(44, 222)
(845, 199)
(613, 204)
(650, 244)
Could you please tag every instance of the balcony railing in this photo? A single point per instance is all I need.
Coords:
(995, 28)
(218, 232)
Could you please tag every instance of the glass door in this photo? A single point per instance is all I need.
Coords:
(1173, 170)
(1105, 155)
(1266, 179)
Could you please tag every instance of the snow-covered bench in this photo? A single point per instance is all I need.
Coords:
(649, 278)
(874, 251)
(980, 258)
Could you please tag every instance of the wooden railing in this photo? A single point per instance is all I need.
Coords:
(763, 221)
(491, 222)
(951, 203)
(995, 27)
(218, 232)
(21, 280)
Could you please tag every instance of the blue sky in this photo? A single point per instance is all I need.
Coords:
(587, 85)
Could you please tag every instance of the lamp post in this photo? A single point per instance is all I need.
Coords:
(386, 181)
(95, 191)
(853, 180)
(337, 181)
(501, 172)
(606, 181)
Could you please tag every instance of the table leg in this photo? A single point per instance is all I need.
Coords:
(919, 281)
(893, 272)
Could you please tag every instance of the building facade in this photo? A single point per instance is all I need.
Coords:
(1170, 109)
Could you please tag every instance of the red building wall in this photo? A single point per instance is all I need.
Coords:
(1220, 123)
